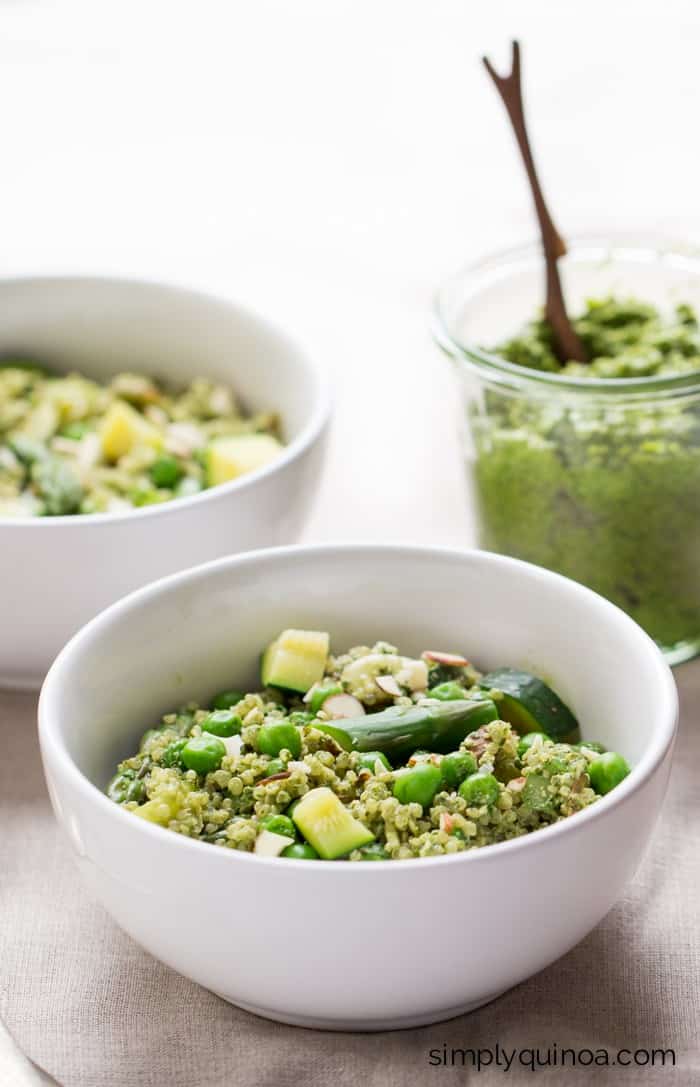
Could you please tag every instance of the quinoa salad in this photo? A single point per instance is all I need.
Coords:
(370, 755)
(70, 445)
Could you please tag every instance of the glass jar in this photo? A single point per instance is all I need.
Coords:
(597, 479)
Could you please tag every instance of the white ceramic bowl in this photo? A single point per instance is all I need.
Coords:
(58, 572)
(361, 946)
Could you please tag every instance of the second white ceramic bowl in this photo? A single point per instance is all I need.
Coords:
(337, 945)
(58, 572)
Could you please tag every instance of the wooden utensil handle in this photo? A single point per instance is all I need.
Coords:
(566, 342)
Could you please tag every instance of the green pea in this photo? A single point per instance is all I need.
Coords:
(222, 723)
(274, 738)
(418, 785)
(591, 745)
(225, 699)
(607, 771)
(300, 851)
(165, 472)
(172, 756)
(526, 741)
(279, 824)
(300, 717)
(448, 692)
(320, 694)
(119, 786)
(456, 767)
(480, 789)
(368, 760)
(274, 766)
(375, 851)
(203, 754)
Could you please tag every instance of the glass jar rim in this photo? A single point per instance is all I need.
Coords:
(649, 247)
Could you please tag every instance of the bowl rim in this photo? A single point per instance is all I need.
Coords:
(54, 751)
(307, 436)
(648, 247)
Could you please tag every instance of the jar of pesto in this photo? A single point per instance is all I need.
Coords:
(591, 470)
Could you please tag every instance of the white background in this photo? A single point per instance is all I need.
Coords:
(330, 162)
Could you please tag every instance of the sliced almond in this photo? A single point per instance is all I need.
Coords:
(183, 438)
(233, 744)
(155, 414)
(451, 659)
(64, 445)
(338, 706)
(389, 685)
(269, 844)
(89, 450)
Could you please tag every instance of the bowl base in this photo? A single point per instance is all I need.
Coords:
(363, 1026)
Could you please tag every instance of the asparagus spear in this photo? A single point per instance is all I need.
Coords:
(399, 730)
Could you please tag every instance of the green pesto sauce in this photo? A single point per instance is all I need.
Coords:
(607, 494)
(622, 337)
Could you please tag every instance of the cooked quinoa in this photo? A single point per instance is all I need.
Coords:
(223, 775)
(70, 445)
